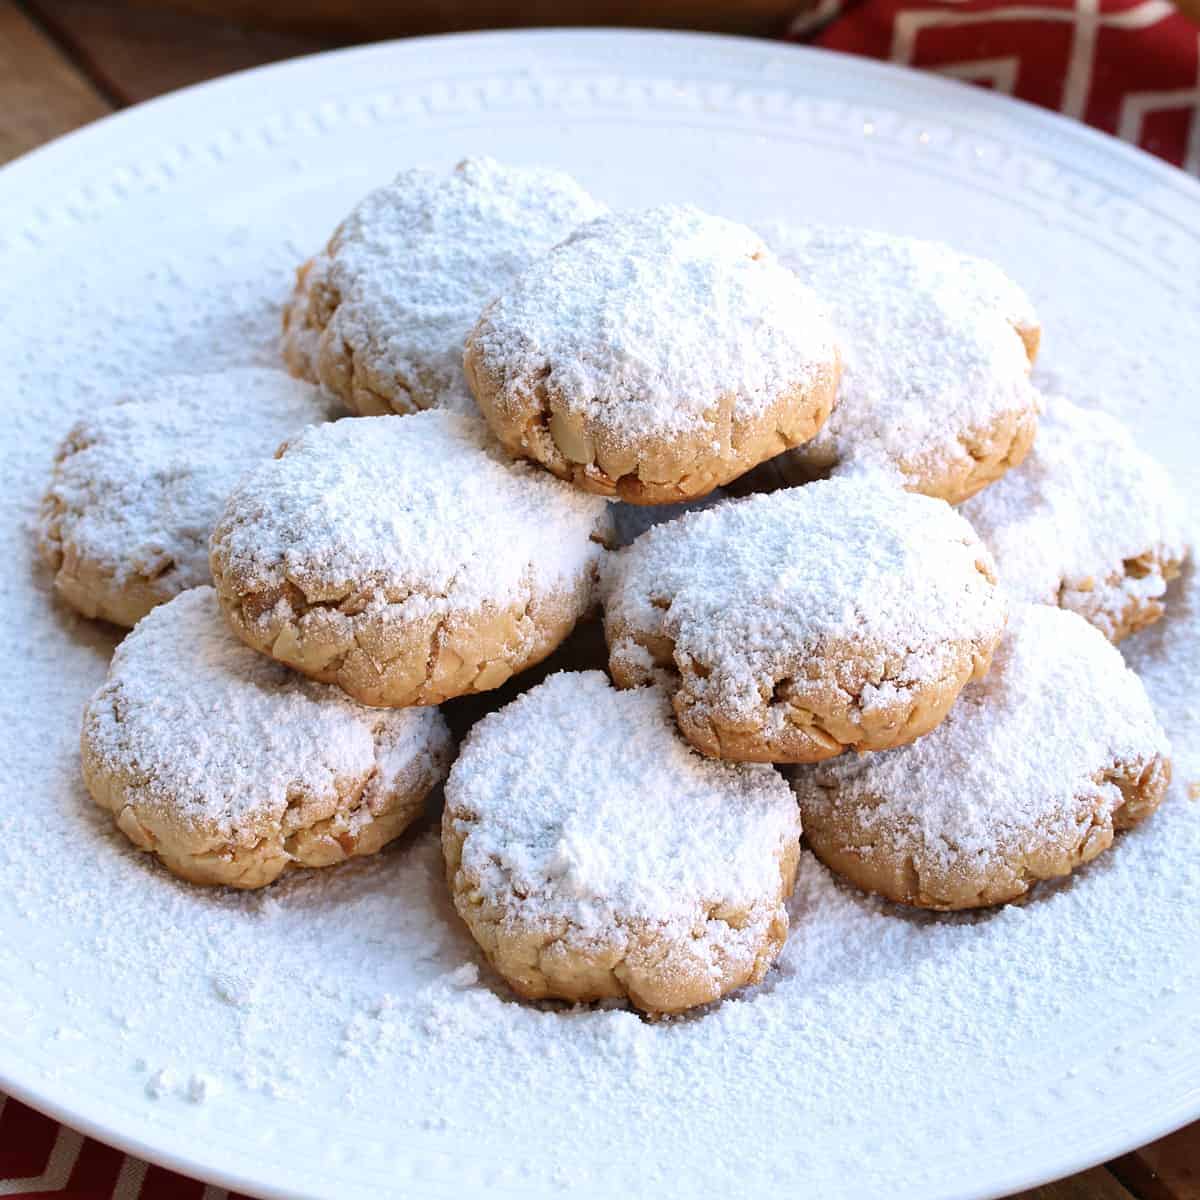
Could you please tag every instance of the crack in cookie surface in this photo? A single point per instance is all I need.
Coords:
(385, 654)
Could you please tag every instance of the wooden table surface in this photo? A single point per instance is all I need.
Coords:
(66, 62)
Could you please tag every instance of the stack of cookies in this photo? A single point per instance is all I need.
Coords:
(805, 638)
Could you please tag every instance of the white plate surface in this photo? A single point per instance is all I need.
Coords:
(328, 1037)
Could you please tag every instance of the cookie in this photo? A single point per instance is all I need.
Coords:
(1028, 777)
(654, 356)
(138, 485)
(379, 318)
(1087, 522)
(794, 626)
(594, 855)
(233, 769)
(937, 348)
(406, 559)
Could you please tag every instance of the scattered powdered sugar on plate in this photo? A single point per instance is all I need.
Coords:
(586, 803)
(366, 1039)
(1003, 774)
(425, 505)
(139, 483)
(221, 740)
(641, 322)
(929, 345)
(408, 272)
(764, 589)
(1087, 521)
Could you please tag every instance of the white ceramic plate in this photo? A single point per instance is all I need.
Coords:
(332, 1037)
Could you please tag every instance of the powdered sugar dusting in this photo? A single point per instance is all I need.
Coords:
(415, 262)
(752, 590)
(426, 505)
(1086, 501)
(587, 804)
(929, 344)
(642, 322)
(141, 482)
(222, 739)
(1003, 771)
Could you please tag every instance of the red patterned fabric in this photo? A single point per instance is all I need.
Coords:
(1129, 67)
(40, 1160)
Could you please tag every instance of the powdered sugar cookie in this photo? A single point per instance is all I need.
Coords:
(796, 625)
(407, 560)
(1087, 522)
(232, 769)
(138, 485)
(936, 350)
(1026, 779)
(593, 854)
(654, 356)
(379, 318)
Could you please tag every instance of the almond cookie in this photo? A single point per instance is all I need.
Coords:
(593, 854)
(138, 485)
(936, 347)
(406, 559)
(1026, 779)
(379, 318)
(796, 625)
(1087, 522)
(232, 769)
(654, 356)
